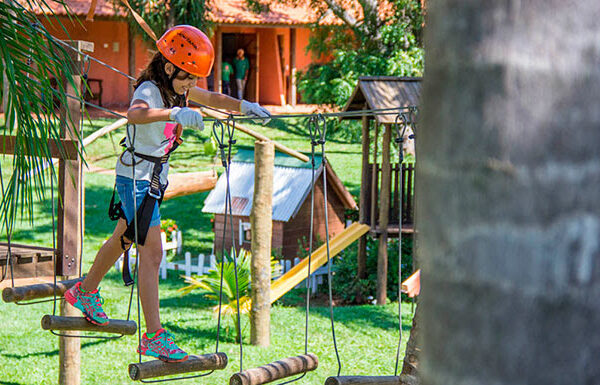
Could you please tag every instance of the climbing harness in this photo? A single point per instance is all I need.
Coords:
(153, 197)
(136, 369)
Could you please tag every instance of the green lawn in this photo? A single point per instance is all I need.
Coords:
(367, 335)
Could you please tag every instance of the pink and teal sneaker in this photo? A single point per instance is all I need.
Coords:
(90, 304)
(161, 346)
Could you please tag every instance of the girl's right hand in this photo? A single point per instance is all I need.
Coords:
(187, 117)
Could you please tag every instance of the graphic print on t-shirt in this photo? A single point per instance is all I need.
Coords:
(172, 132)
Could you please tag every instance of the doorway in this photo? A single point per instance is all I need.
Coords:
(231, 42)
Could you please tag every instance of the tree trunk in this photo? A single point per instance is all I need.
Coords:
(508, 206)
(410, 365)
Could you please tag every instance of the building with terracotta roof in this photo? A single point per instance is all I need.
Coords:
(275, 43)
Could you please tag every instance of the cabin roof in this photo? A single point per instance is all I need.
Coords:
(384, 92)
(292, 180)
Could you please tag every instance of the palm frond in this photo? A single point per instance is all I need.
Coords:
(29, 58)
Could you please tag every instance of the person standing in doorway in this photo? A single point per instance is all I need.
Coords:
(242, 66)
(226, 77)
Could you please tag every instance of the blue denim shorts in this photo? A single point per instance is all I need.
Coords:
(125, 191)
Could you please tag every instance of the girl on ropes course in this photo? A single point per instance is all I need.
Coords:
(157, 114)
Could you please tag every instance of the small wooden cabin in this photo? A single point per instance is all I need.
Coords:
(382, 183)
(292, 180)
(386, 187)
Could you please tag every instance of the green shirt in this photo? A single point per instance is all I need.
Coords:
(227, 70)
(241, 66)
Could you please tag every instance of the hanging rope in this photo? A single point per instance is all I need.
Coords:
(318, 133)
(405, 120)
(86, 68)
(219, 131)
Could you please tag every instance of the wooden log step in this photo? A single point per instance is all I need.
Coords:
(52, 322)
(276, 370)
(369, 380)
(37, 291)
(157, 368)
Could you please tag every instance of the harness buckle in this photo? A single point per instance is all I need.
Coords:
(155, 193)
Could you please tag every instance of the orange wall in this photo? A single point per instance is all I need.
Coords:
(110, 38)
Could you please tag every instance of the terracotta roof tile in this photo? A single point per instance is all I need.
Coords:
(232, 11)
(79, 7)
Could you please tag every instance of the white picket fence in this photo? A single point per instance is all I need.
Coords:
(203, 264)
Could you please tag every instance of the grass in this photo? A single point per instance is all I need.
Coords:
(367, 335)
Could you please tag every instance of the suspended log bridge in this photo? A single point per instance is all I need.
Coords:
(37, 291)
(51, 322)
(157, 368)
(276, 370)
(370, 380)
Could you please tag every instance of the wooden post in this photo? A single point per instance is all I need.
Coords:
(69, 359)
(217, 77)
(362, 213)
(262, 229)
(70, 216)
(374, 187)
(292, 98)
(384, 212)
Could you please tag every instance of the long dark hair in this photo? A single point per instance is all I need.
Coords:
(155, 71)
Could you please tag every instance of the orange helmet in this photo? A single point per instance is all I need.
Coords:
(187, 48)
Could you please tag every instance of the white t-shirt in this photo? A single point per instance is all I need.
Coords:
(154, 139)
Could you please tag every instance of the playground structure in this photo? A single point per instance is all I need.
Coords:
(291, 209)
(143, 370)
(386, 189)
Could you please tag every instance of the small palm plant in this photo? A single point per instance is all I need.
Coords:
(210, 283)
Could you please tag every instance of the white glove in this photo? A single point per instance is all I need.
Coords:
(255, 110)
(187, 117)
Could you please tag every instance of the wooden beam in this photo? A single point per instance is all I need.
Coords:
(8, 144)
(190, 183)
(156, 368)
(276, 370)
(42, 290)
(262, 231)
(103, 131)
(238, 126)
(52, 322)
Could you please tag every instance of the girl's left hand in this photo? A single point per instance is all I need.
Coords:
(187, 117)
(255, 110)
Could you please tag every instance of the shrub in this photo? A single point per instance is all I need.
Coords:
(353, 290)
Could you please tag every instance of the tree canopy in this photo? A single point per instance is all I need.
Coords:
(386, 41)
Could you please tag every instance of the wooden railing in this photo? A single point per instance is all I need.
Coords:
(401, 184)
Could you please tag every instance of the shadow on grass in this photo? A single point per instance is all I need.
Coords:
(10, 383)
(52, 353)
(359, 317)
(188, 301)
(208, 335)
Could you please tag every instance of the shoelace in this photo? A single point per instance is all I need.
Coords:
(168, 337)
(95, 298)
